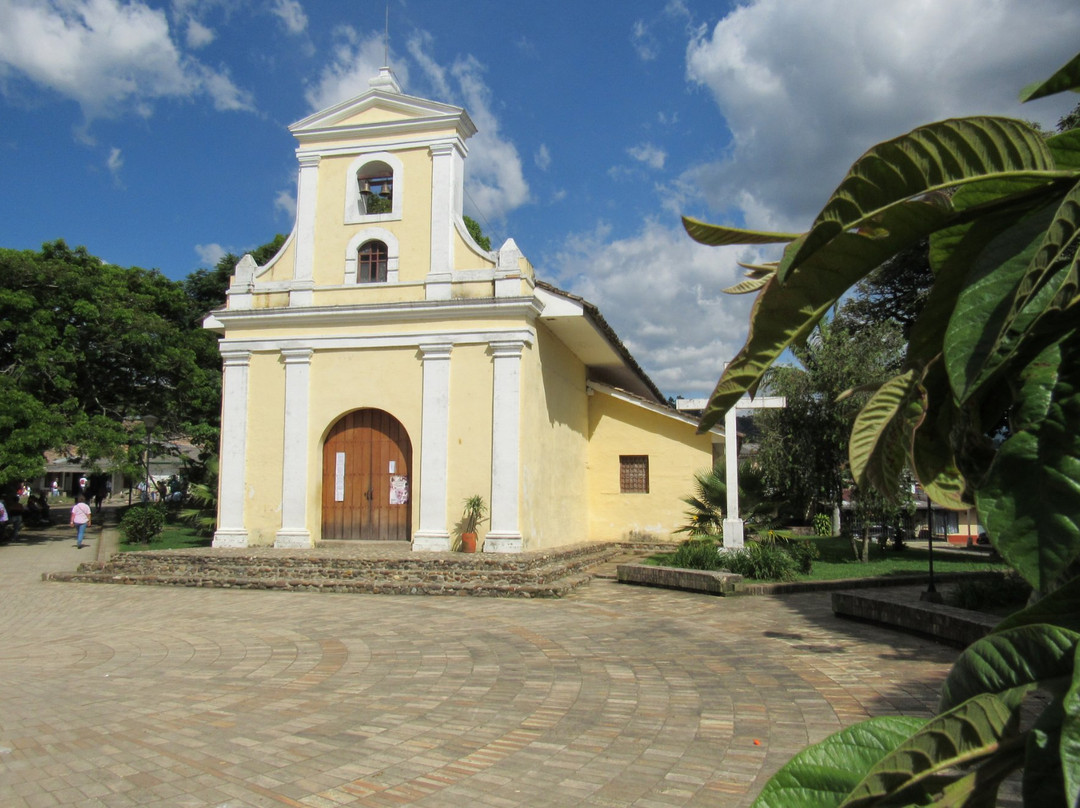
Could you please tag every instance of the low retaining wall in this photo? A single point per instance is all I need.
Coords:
(948, 624)
(710, 582)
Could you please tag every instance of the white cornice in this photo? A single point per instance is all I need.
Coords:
(245, 347)
(375, 313)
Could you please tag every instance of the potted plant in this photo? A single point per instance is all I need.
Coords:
(472, 516)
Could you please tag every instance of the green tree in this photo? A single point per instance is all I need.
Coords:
(85, 347)
(803, 446)
(477, 234)
(896, 291)
(998, 337)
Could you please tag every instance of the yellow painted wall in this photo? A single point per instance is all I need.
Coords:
(469, 443)
(412, 230)
(265, 448)
(675, 453)
(554, 450)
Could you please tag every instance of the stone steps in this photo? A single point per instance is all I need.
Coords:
(551, 573)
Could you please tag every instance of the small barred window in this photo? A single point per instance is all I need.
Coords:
(634, 474)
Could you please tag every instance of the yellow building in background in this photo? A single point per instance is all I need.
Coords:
(383, 366)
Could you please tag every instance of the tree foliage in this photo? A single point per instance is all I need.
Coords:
(803, 446)
(86, 348)
(998, 337)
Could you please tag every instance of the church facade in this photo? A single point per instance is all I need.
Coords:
(383, 366)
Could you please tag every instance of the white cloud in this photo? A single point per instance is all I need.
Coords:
(495, 181)
(291, 14)
(198, 35)
(285, 202)
(210, 254)
(354, 63)
(434, 73)
(644, 42)
(661, 292)
(114, 163)
(108, 56)
(650, 155)
(543, 157)
(807, 87)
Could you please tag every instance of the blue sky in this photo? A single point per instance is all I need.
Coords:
(155, 133)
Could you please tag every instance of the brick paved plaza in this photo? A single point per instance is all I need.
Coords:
(614, 696)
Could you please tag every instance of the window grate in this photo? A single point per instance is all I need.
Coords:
(634, 474)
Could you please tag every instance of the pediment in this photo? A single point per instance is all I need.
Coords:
(379, 108)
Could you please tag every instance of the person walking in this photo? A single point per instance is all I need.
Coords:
(80, 518)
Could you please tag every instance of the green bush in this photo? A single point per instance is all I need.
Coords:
(143, 523)
(822, 525)
(803, 552)
(696, 554)
(762, 562)
(997, 595)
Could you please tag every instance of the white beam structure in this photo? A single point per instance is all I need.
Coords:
(734, 534)
(733, 523)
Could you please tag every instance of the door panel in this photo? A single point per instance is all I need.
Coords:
(370, 441)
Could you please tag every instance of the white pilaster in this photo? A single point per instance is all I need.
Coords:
(505, 534)
(307, 187)
(434, 437)
(294, 478)
(231, 531)
(442, 247)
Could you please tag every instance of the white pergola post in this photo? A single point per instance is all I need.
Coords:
(733, 524)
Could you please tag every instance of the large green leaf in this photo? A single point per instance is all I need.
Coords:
(932, 456)
(1013, 660)
(984, 303)
(716, 235)
(955, 739)
(933, 157)
(785, 313)
(883, 430)
(1070, 737)
(1044, 782)
(822, 775)
(1030, 499)
(1066, 78)
(1065, 148)
(1048, 283)
(1060, 608)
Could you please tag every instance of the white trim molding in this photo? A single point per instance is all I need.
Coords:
(393, 253)
(307, 193)
(231, 531)
(294, 477)
(505, 534)
(434, 448)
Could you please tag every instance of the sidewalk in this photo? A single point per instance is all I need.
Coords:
(125, 696)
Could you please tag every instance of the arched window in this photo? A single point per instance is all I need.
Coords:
(371, 262)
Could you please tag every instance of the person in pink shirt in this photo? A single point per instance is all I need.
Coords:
(80, 518)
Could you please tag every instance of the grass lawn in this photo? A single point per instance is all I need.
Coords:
(837, 561)
(173, 537)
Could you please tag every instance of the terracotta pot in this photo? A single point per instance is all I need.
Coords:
(468, 542)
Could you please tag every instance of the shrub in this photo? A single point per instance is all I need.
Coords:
(143, 523)
(803, 552)
(822, 525)
(762, 562)
(696, 554)
(999, 594)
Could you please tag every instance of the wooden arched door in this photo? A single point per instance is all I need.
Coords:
(366, 481)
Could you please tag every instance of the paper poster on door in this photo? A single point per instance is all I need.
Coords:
(399, 489)
(339, 477)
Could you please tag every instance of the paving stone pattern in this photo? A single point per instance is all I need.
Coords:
(610, 696)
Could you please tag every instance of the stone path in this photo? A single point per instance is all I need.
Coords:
(613, 696)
